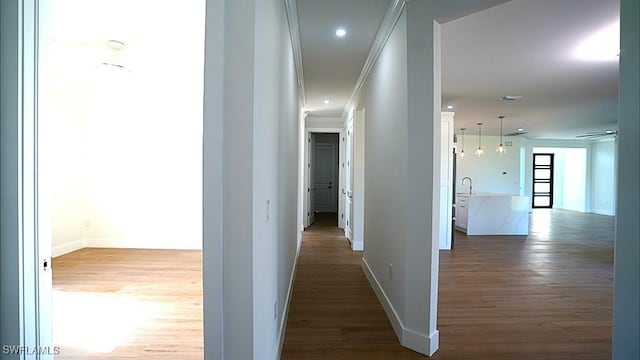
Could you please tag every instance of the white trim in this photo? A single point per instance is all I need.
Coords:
(391, 312)
(384, 31)
(123, 243)
(294, 32)
(285, 317)
(409, 338)
(68, 247)
(603, 212)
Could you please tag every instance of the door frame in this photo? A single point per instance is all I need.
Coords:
(551, 180)
(306, 206)
(25, 267)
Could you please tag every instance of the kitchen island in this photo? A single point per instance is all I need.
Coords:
(492, 214)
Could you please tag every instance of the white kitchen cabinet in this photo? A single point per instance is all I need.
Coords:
(462, 212)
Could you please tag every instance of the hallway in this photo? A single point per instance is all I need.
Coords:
(548, 295)
(334, 313)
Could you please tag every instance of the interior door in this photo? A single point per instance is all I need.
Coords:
(341, 177)
(311, 176)
(325, 177)
(348, 183)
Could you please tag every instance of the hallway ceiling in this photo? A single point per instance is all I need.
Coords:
(332, 65)
(522, 47)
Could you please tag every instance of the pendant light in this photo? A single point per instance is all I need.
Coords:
(501, 149)
(462, 141)
(479, 151)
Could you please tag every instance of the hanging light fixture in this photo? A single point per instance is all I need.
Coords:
(501, 149)
(462, 141)
(479, 151)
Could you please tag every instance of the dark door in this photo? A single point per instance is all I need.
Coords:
(542, 181)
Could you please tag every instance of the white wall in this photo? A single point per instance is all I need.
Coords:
(580, 194)
(274, 176)
(385, 211)
(318, 122)
(626, 297)
(127, 170)
(491, 172)
(604, 177)
(569, 178)
(251, 168)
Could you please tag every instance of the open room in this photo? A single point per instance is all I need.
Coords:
(121, 144)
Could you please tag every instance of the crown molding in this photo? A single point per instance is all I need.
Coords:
(294, 32)
(384, 31)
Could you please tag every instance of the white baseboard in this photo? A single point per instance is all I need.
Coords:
(120, 243)
(285, 316)
(409, 338)
(603, 212)
(67, 248)
(116, 243)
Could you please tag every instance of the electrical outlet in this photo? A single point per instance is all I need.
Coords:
(390, 271)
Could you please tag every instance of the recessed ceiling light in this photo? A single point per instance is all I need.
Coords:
(341, 32)
(520, 129)
(327, 101)
(449, 107)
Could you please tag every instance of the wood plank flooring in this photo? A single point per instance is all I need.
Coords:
(334, 313)
(128, 304)
(545, 296)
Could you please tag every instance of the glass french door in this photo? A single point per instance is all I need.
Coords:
(542, 181)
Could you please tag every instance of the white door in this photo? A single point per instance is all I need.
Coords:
(348, 183)
(311, 143)
(325, 177)
(341, 181)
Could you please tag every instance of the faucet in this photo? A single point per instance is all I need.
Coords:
(470, 183)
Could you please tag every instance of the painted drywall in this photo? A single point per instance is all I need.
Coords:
(604, 177)
(385, 210)
(212, 178)
(317, 122)
(626, 297)
(491, 172)
(601, 157)
(127, 170)
(253, 216)
(274, 175)
(63, 117)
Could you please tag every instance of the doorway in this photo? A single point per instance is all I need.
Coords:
(324, 172)
(122, 166)
(542, 181)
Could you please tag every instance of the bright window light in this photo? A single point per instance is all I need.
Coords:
(603, 45)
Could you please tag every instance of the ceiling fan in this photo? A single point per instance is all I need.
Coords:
(597, 134)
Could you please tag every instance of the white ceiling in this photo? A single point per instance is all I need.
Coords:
(332, 65)
(522, 47)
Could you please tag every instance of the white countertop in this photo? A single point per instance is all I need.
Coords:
(483, 194)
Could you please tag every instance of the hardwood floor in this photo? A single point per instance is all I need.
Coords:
(128, 304)
(334, 313)
(545, 296)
